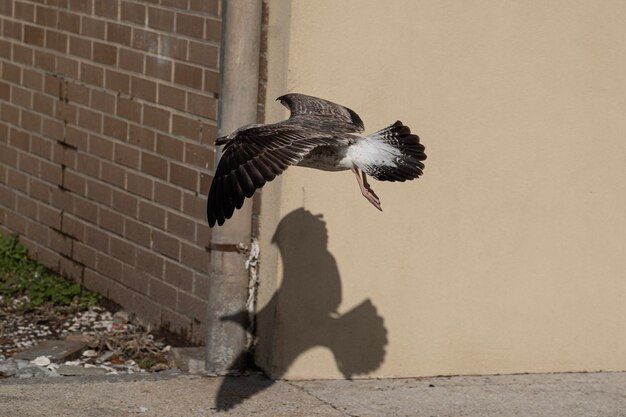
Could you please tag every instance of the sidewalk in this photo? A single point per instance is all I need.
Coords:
(554, 395)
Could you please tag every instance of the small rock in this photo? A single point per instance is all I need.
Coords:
(72, 370)
(143, 409)
(90, 353)
(41, 361)
(107, 356)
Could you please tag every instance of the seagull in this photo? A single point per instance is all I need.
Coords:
(318, 134)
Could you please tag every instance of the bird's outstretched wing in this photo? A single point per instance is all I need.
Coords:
(252, 158)
(323, 113)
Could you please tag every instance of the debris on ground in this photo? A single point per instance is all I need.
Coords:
(90, 342)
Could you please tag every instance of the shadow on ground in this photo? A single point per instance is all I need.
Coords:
(305, 311)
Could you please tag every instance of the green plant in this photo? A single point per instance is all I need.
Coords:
(21, 276)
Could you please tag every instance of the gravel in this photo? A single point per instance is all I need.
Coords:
(113, 344)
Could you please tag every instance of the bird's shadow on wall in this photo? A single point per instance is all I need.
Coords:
(304, 312)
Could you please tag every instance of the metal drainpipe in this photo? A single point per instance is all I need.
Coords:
(228, 277)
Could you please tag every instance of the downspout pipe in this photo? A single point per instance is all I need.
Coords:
(228, 276)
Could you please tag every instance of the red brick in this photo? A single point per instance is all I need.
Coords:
(96, 282)
(140, 185)
(67, 66)
(85, 210)
(93, 27)
(84, 254)
(213, 30)
(151, 214)
(106, 8)
(78, 93)
(23, 55)
(5, 91)
(111, 221)
(109, 266)
(149, 262)
(100, 147)
(69, 268)
(118, 33)
(69, 22)
(201, 286)
(26, 207)
(183, 176)
(142, 137)
(21, 96)
(90, 120)
(190, 25)
(85, 6)
(12, 30)
(135, 279)
(49, 216)
(99, 192)
(41, 147)
(24, 11)
(159, 68)
(142, 88)
(188, 75)
(88, 164)
(203, 54)
(172, 97)
(131, 60)
(66, 112)
(181, 4)
(202, 105)
(163, 293)
(178, 276)
(199, 155)
(10, 114)
(115, 128)
(156, 118)
(160, 19)
(15, 222)
(32, 79)
(194, 205)
(211, 81)
(31, 121)
(113, 174)
(74, 182)
(180, 226)
(203, 235)
(154, 165)
(173, 47)
(102, 101)
(123, 250)
(11, 73)
(51, 172)
(20, 140)
(64, 155)
(176, 322)
(117, 81)
(167, 195)
(104, 53)
(39, 189)
(126, 155)
(145, 40)
(74, 137)
(205, 6)
(56, 40)
(45, 61)
(128, 109)
(91, 74)
(126, 204)
(146, 308)
(135, 13)
(45, 105)
(45, 16)
(48, 258)
(192, 306)
(183, 126)
(194, 257)
(80, 47)
(5, 49)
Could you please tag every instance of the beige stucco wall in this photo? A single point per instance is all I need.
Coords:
(509, 254)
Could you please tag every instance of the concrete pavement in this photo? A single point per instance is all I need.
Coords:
(554, 395)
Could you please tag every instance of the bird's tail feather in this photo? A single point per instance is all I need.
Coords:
(391, 154)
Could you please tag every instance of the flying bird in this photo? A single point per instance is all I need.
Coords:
(318, 134)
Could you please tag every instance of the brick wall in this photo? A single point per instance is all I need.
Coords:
(107, 116)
